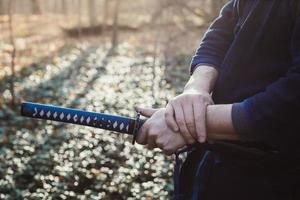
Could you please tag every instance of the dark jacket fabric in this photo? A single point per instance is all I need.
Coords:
(255, 46)
(230, 172)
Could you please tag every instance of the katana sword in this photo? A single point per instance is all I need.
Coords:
(120, 124)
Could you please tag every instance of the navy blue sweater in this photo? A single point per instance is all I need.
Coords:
(255, 46)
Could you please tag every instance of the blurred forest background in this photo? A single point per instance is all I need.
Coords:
(97, 55)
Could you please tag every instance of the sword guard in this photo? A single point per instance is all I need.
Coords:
(136, 127)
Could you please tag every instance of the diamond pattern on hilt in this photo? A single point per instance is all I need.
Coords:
(62, 115)
(75, 118)
(121, 126)
(88, 120)
(35, 112)
(115, 124)
(48, 114)
(84, 118)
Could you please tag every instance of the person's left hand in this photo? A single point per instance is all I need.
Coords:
(156, 133)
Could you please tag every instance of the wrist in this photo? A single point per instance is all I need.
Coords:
(219, 122)
(202, 80)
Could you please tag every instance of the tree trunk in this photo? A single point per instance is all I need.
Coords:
(3, 10)
(105, 14)
(56, 6)
(92, 13)
(79, 28)
(13, 52)
(115, 34)
(36, 9)
(64, 7)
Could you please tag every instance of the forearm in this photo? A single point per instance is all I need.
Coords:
(203, 79)
(219, 123)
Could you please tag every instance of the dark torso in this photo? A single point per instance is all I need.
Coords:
(259, 55)
(260, 52)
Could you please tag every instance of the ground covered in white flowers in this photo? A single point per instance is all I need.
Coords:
(47, 160)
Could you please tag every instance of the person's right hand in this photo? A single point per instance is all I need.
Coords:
(156, 133)
(186, 114)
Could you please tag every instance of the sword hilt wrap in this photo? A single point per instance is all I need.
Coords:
(114, 123)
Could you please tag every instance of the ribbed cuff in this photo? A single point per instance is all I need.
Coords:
(241, 122)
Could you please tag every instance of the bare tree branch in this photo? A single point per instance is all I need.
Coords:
(13, 52)
(116, 24)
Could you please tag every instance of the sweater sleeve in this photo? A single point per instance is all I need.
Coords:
(217, 39)
(273, 116)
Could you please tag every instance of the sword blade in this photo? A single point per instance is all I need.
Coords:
(115, 123)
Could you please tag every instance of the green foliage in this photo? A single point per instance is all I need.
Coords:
(47, 160)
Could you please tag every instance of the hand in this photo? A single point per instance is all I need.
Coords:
(186, 114)
(156, 133)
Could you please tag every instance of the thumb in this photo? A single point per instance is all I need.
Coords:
(146, 112)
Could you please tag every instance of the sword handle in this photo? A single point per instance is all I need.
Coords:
(80, 117)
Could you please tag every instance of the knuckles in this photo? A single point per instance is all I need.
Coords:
(202, 98)
(184, 98)
(180, 122)
(190, 123)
